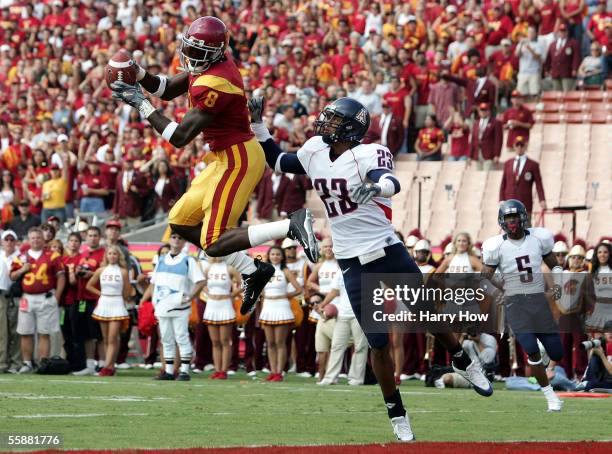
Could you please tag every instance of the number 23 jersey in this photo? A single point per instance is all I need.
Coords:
(519, 261)
(356, 229)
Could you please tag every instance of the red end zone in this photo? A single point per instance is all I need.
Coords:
(392, 448)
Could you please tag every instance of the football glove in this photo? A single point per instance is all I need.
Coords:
(129, 94)
(365, 192)
(256, 108)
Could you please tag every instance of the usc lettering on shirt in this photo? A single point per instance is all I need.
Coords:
(218, 279)
(460, 264)
(42, 276)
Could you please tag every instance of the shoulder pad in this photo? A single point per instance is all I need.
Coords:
(313, 145)
(492, 243)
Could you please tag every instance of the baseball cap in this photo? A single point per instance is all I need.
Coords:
(5, 48)
(483, 106)
(291, 90)
(520, 140)
(577, 250)
(411, 241)
(451, 9)
(562, 27)
(287, 42)
(411, 19)
(54, 167)
(516, 94)
(560, 246)
(506, 42)
(8, 233)
(62, 138)
(82, 226)
(113, 223)
(298, 50)
(422, 245)
(288, 242)
(53, 219)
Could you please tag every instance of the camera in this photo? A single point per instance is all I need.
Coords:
(82, 270)
(587, 345)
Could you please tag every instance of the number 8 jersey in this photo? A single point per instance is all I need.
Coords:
(356, 229)
(519, 261)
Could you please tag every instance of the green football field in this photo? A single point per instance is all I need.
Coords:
(131, 410)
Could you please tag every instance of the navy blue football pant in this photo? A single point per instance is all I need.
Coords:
(396, 260)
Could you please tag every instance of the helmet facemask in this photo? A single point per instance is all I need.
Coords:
(196, 56)
(513, 223)
(328, 126)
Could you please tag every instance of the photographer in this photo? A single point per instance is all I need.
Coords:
(85, 329)
(599, 370)
(481, 347)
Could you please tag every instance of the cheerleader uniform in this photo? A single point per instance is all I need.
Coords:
(601, 318)
(459, 264)
(111, 305)
(276, 308)
(219, 283)
(327, 274)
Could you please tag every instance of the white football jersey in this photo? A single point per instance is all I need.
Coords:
(297, 269)
(519, 262)
(356, 229)
(345, 310)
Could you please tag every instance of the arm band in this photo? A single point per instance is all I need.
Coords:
(261, 132)
(146, 109)
(169, 130)
(163, 80)
(389, 185)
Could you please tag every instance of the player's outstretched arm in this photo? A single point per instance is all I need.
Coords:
(164, 87)
(178, 134)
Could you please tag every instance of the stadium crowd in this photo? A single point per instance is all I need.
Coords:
(441, 80)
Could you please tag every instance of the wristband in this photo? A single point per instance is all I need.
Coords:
(557, 269)
(169, 130)
(261, 132)
(387, 188)
(141, 73)
(163, 80)
(146, 109)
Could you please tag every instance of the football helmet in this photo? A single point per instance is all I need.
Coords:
(508, 207)
(344, 120)
(203, 45)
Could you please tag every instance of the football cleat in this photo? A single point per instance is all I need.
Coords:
(474, 374)
(253, 284)
(301, 229)
(82, 372)
(554, 405)
(402, 429)
(164, 376)
(183, 376)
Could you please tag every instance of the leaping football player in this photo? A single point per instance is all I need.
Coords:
(355, 183)
(207, 214)
(518, 253)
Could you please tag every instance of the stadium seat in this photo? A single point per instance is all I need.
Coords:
(572, 107)
(552, 95)
(551, 118)
(578, 118)
(596, 96)
(601, 116)
(552, 107)
(574, 96)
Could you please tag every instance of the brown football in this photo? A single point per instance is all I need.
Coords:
(121, 67)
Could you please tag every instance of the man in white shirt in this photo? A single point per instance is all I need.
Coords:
(531, 58)
(369, 99)
(10, 355)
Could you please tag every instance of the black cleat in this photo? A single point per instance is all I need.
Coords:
(164, 376)
(301, 230)
(183, 376)
(253, 285)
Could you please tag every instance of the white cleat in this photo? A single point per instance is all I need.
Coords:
(555, 405)
(123, 366)
(326, 382)
(402, 429)
(86, 371)
(304, 375)
(474, 374)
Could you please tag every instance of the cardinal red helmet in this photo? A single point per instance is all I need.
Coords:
(204, 44)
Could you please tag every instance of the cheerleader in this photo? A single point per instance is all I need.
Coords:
(276, 315)
(325, 272)
(111, 311)
(601, 317)
(462, 258)
(222, 284)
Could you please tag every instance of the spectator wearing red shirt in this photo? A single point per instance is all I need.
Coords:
(442, 95)
(518, 120)
(459, 134)
(70, 260)
(503, 66)
(399, 101)
(500, 26)
(572, 12)
(596, 28)
(429, 141)
(92, 189)
(562, 60)
(423, 76)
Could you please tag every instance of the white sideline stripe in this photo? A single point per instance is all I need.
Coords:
(120, 64)
(74, 415)
(26, 396)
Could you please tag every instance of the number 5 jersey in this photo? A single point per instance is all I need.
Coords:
(519, 261)
(356, 229)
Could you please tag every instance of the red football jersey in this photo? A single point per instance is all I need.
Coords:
(220, 91)
(92, 261)
(70, 292)
(42, 276)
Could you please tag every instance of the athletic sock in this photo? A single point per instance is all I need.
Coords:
(549, 393)
(460, 358)
(241, 261)
(101, 363)
(262, 233)
(170, 366)
(395, 407)
(28, 363)
(91, 364)
(185, 365)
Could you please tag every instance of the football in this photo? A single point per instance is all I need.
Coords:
(121, 67)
